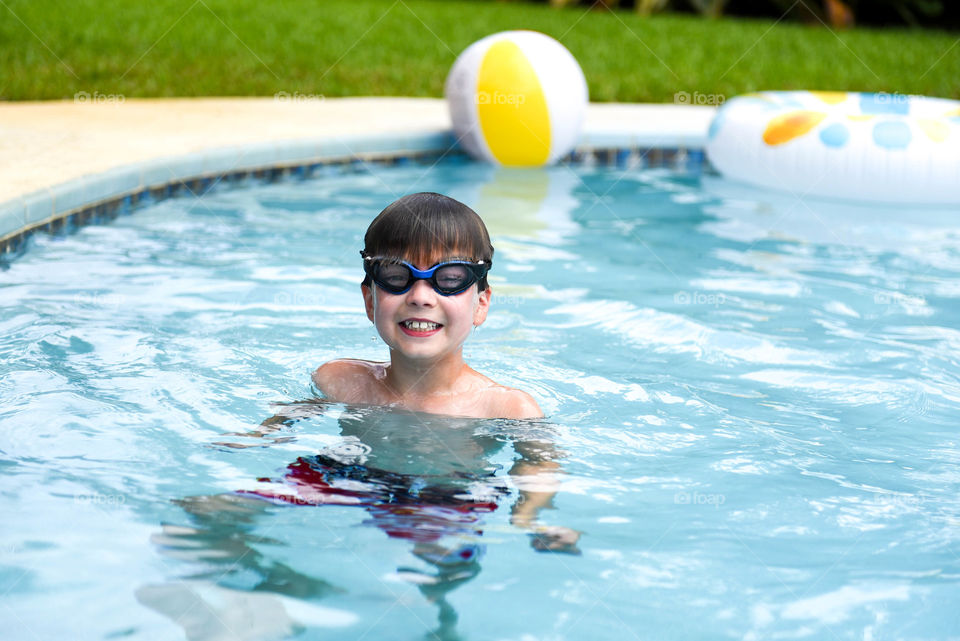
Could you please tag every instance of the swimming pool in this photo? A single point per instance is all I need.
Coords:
(755, 399)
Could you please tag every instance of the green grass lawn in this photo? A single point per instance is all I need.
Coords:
(54, 49)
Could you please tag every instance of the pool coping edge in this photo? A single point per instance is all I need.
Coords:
(45, 208)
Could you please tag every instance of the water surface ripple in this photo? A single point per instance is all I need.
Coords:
(754, 400)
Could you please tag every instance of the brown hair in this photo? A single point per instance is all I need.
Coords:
(426, 228)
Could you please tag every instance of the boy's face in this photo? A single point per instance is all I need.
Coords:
(404, 320)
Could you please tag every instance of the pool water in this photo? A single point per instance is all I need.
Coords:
(753, 398)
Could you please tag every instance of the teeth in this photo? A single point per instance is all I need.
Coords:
(420, 326)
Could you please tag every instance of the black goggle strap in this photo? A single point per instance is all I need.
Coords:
(478, 268)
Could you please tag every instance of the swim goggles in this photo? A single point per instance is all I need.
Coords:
(398, 276)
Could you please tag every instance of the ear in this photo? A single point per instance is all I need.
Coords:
(368, 301)
(483, 306)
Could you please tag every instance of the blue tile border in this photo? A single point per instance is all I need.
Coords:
(12, 217)
(102, 196)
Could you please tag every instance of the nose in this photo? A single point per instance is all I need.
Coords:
(421, 294)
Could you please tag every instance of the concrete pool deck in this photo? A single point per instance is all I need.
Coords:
(58, 156)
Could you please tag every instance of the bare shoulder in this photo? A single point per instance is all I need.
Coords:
(508, 402)
(347, 380)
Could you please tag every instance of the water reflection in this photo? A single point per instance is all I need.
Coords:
(523, 203)
(751, 215)
(426, 480)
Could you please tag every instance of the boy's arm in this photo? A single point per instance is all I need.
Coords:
(537, 476)
(517, 404)
(348, 380)
(327, 378)
(337, 380)
(286, 415)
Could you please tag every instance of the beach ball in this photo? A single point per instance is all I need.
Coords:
(517, 98)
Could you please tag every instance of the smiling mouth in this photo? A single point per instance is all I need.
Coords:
(420, 326)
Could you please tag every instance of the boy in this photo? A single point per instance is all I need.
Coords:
(426, 259)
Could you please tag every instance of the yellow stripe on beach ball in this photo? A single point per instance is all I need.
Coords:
(515, 125)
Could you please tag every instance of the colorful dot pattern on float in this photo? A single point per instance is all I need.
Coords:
(889, 117)
(879, 147)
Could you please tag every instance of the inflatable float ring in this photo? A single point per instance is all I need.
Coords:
(872, 147)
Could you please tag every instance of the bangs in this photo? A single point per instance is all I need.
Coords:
(425, 229)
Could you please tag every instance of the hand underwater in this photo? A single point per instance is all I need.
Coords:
(555, 538)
